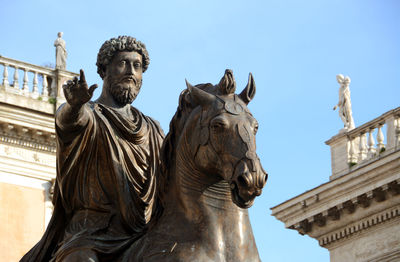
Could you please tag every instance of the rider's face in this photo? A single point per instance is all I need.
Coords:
(124, 76)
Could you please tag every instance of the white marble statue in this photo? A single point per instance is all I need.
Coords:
(344, 103)
(61, 52)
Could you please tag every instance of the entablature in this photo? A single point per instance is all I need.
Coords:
(326, 212)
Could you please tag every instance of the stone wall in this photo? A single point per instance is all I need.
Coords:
(22, 219)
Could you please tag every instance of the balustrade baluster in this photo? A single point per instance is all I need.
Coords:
(25, 86)
(397, 131)
(363, 147)
(26, 81)
(16, 76)
(45, 91)
(371, 144)
(379, 138)
(5, 77)
(35, 91)
(352, 153)
(53, 89)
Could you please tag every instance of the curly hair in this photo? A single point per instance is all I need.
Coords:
(122, 43)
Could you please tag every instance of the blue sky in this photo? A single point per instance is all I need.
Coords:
(293, 48)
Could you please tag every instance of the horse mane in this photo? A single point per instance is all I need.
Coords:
(168, 149)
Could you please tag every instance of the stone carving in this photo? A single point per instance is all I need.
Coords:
(210, 175)
(107, 154)
(119, 196)
(344, 103)
(61, 52)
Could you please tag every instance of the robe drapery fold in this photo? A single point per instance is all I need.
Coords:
(105, 186)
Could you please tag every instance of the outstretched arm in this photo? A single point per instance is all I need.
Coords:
(73, 114)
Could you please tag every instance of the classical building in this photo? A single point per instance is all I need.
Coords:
(356, 215)
(27, 152)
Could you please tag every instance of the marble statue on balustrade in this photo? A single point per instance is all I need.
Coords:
(344, 104)
(61, 52)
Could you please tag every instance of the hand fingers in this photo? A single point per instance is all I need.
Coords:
(67, 84)
(91, 89)
(82, 78)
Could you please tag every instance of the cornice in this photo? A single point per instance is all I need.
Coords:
(15, 115)
(366, 178)
(28, 137)
(334, 216)
(334, 205)
(359, 226)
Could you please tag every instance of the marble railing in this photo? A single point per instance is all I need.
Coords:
(370, 141)
(26, 79)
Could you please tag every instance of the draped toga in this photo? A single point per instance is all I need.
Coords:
(105, 187)
(61, 53)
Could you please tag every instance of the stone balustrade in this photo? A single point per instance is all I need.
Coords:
(14, 71)
(356, 214)
(365, 143)
(32, 86)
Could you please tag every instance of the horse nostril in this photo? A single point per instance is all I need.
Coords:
(265, 177)
(261, 179)
(242, 181)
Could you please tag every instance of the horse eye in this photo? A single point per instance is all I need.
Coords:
(218, 125)
(255, 128)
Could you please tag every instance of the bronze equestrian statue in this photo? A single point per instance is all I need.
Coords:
(210, 176)
(119, 196)
(107, 154)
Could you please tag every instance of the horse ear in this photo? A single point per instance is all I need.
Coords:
(227, 84)
(249, 91)
(201, 97)
(182, 99)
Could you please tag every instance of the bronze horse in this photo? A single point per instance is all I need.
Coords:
(210, 174)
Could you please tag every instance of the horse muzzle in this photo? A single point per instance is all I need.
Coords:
(247, 183)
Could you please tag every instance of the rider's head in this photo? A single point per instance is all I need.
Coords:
(121, 43)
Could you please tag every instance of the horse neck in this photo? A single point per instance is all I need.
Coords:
(198, 198)
(206, 216)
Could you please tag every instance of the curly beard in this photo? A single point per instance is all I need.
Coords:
(124, 92)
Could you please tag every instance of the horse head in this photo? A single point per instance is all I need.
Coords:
(223, 136)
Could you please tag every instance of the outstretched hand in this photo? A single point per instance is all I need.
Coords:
(77, 92)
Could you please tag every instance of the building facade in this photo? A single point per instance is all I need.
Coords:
(29, 96)
(356, 215)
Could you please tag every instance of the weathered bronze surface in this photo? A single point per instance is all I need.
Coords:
(107, 154)
(210, 174)
(118, 197)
